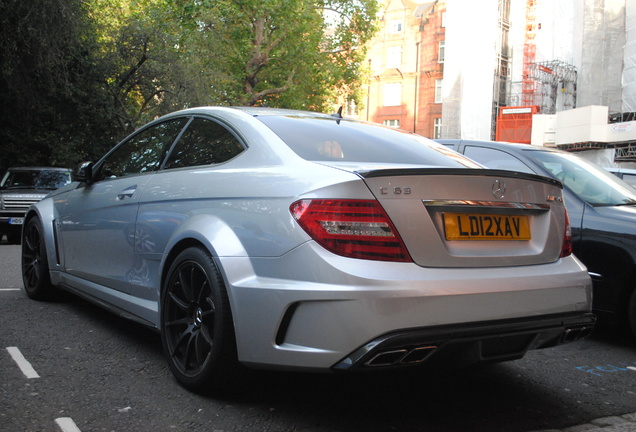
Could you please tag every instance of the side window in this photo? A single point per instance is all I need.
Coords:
(143, 152)
(204, 142)
(496, 159)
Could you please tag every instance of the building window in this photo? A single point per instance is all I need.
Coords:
(440, 52)
(392, 123)
(437, 128)
(393, 94)
(504, 67)
(395, 26)
(438, 91)
(394, 57)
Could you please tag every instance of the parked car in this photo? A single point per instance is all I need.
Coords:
(22, 186)
(295, 240)
(629, 175)
(602, 210)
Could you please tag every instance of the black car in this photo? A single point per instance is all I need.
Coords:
(602, 211)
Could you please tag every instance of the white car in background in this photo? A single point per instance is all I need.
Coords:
(303, 241)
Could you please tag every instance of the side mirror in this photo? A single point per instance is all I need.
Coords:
(83, 173)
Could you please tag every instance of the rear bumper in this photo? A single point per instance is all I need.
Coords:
(465, 344)
(313, 310)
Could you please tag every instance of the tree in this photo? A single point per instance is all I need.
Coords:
(275, 52)
(52, 109)
(138, 58)
(78, 75)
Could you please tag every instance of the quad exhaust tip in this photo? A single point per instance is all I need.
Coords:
(401, 356)
(577, 333)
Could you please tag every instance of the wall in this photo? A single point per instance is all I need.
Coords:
(629, 59)
(471, 36)
(580, 125)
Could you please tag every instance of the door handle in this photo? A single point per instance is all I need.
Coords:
(128, 192)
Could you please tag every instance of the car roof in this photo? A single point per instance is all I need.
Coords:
(253, 112)
(266, 111)
(250, 110)
(621, 170)
(499, 144)
(37, 168)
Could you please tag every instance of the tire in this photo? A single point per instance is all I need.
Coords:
(196, 324)
(35, 266)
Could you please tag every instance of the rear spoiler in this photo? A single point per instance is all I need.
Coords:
(398, 172)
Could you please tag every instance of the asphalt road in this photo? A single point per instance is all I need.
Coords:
(97, 372)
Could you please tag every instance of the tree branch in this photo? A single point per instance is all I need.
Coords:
(256, 97)
(135, 68)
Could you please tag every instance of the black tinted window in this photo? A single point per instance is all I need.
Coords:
(48, 179)
(204, 142)
(325, 139)
(37, 179)
(143, 152)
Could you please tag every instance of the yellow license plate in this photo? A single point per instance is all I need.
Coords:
(463, 226)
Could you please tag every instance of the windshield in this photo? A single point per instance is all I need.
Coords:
(588, 181)
(341, 140)
(35, 179)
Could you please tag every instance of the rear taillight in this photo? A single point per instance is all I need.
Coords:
(351, 228)
(566, 249)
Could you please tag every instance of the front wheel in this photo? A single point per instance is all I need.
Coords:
(35, 266)
(196, 323)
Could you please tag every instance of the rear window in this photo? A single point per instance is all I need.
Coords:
(342, 140)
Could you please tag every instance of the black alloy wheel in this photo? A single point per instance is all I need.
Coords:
(35, 267)
(196, 323)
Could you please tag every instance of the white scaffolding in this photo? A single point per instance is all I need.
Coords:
(629, 59)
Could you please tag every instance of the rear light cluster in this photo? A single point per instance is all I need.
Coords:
(351, 228)
(566, 249)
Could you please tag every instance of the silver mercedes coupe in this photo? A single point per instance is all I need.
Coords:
(295, 240)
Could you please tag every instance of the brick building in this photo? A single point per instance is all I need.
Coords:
(406, 63)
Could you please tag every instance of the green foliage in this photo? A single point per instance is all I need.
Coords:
(51, 103)
(78, 75)
(276, 52)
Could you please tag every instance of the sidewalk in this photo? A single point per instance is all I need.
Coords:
(624, 423)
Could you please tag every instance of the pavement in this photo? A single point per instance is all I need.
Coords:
(624, 423)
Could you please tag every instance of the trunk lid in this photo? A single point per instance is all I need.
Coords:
(472, 217)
